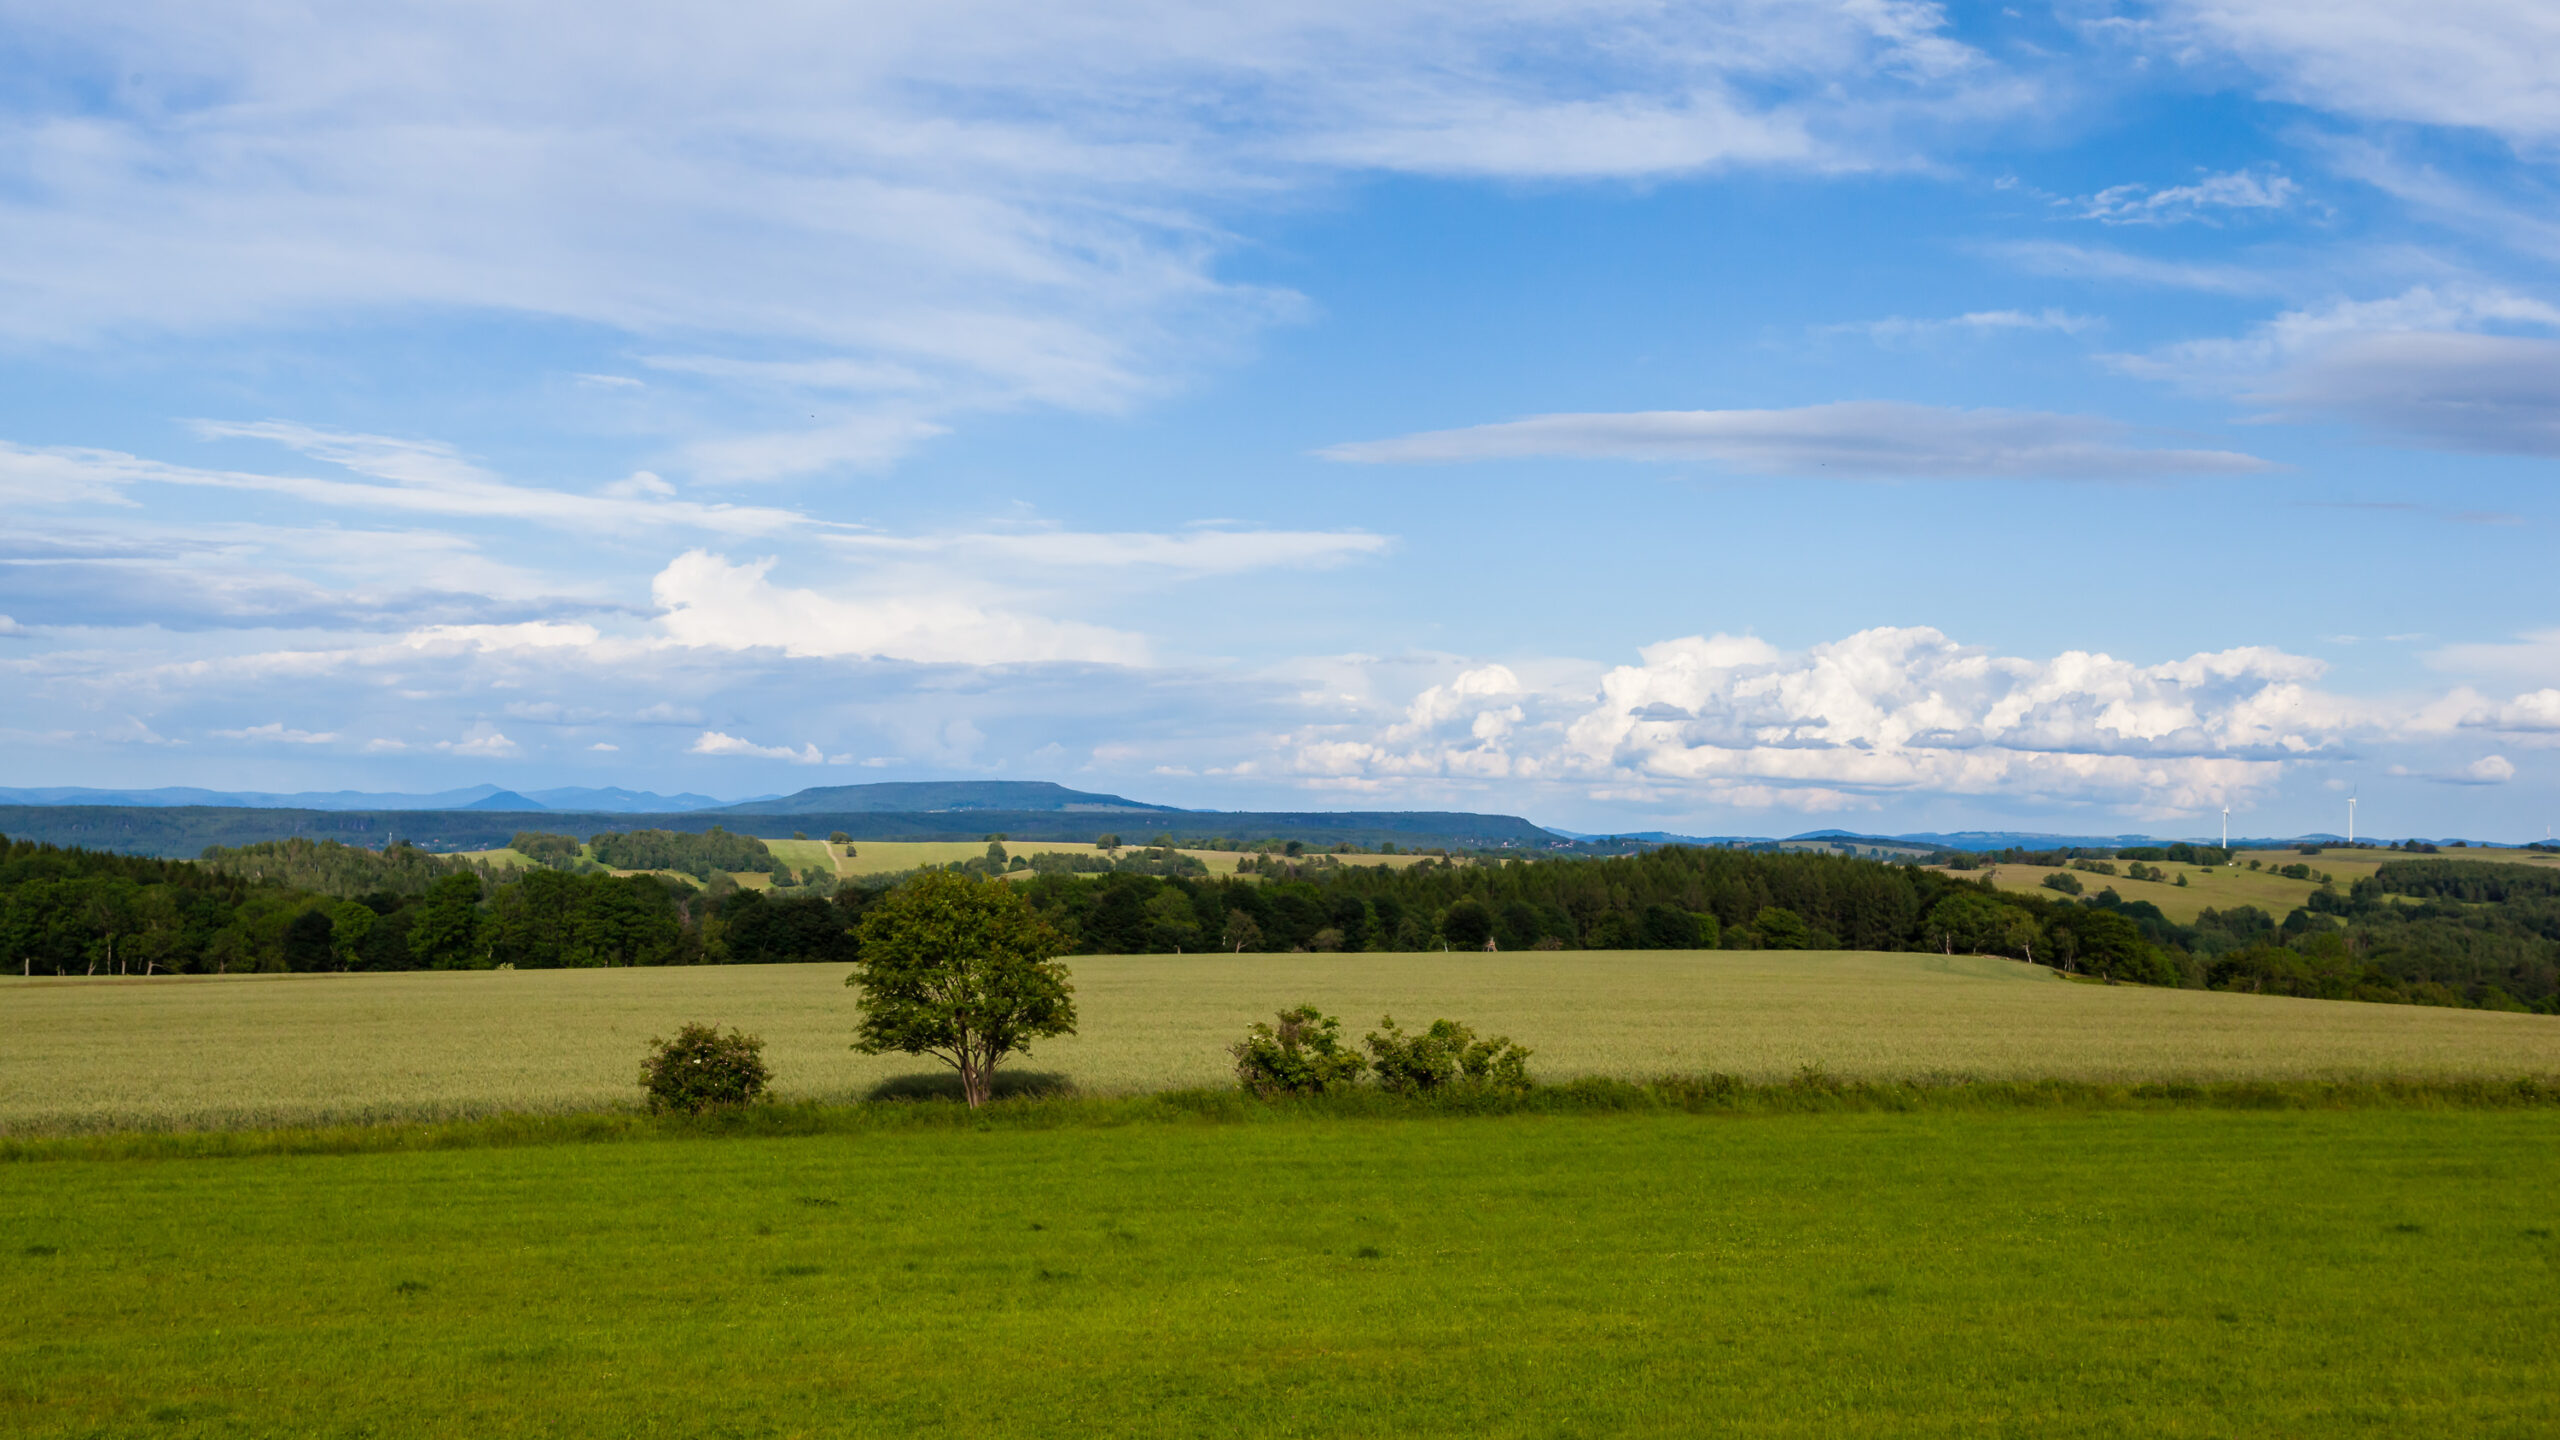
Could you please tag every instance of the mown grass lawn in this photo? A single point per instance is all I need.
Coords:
(2028, 1273)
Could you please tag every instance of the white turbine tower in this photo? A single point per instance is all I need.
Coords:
(2351, 817)
(2226, 829)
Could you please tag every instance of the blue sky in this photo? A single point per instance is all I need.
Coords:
(1734, 417)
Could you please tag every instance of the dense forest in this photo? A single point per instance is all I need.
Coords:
(2418, 931)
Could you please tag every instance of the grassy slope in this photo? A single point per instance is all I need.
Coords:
(264, 1049)
(2180, 1273)
(2221, 888)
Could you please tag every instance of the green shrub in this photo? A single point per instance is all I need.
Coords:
(702, 1069)
(2064, 881)
(1446, 1056)
(1301, 1055)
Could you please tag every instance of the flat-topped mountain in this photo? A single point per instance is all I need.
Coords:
(932, 797)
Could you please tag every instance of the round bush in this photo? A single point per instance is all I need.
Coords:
(702, 1069)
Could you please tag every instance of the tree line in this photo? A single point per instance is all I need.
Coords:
(2435, 932)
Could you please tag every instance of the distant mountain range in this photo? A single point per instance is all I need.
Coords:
(611, 800)
(181, 822)
(1971, 840)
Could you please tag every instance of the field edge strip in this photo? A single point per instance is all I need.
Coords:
(1703, 1095)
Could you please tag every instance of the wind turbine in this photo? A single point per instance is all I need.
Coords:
(2351, 817)
(2226, 831)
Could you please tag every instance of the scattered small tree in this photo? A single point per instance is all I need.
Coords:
(1446, 1056)
(2064, 881)
(1467, 925)
(1301, 1054)
(702, 1069)
(1782, 929)
(1241, 933)
(838, 837)
(961, 969)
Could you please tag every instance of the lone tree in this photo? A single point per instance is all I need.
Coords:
(961, 969)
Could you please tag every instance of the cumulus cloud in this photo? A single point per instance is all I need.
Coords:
(1851, 438)
(2490, 770)
(2487, 770)
(483, 742)
(714, 742)
(2535, 713)
(1882, 714)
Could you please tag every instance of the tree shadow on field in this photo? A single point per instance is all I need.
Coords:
(945, 1085)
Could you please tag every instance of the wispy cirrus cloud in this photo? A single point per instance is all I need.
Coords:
(1903, 329)
(2203, 201)
(2492, 65)
(1850, 439)
(399, 478)
(983, 206)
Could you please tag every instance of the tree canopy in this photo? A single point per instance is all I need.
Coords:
(964, 970)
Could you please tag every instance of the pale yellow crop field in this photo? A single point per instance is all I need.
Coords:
(285, 1049)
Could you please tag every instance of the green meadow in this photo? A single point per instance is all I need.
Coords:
(2063, 1272)
(1939, 1196)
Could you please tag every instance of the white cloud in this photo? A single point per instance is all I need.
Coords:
(529, 635)
(2493, 394)
(420, 479)
(865, 441)
(1882, 714)
(2490, 770)
(2488, 64)
(276, 731)
(1900, 329)
(1189, 554)
(2235, 191)
(11, 628)
(714, 742)
(2095, 262)
(605, 746)
(483, 742)
(1849, 439)
(2532, 656)
(974, 205)
(710, 602)
(2422, 367)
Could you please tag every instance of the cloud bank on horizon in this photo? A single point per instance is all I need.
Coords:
(2064, 417)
